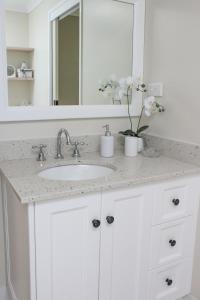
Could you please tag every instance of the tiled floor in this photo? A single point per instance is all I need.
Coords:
(3, 295)
(6, 297)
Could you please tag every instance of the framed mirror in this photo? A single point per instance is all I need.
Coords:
(56, 54)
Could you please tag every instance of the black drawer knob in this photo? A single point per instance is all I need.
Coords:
(176, 202)
(169, 281)
(110, 219)
(172, 243)
(96, 223)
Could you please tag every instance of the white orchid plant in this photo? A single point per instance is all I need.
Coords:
(117, 89)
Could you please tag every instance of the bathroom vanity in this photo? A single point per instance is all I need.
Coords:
(129, 235)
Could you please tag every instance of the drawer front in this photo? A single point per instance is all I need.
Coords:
(171, 242)
(170, 283)
(173, 201)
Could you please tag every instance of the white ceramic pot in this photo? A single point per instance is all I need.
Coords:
(131, 146)
(140, 144)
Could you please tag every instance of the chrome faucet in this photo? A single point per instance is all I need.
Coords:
(59, 142)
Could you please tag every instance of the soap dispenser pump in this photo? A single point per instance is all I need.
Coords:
(107, 143)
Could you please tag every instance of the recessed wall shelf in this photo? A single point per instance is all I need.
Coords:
(19, 87)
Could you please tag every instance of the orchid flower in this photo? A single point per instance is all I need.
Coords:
(152, 106)
(120, 88)
(124, 87)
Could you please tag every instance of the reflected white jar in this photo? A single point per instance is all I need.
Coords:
(131, 146)
(140, 144)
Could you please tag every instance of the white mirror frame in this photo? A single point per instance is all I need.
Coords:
(32, 113)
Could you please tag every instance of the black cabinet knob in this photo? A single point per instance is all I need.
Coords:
(172, 243)
(96, 223)
(110, 219)
(169, 281)
(176, 202)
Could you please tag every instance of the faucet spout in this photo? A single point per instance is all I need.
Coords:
(62, 131)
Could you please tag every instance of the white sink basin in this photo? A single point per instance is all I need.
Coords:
(76, 172)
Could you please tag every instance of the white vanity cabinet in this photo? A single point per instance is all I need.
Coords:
(134, 244)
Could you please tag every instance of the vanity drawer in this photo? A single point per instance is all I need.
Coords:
(170, 283)
(171, 242)
(173, 201)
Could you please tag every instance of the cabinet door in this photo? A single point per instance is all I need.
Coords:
(67, 249)
(124, 244)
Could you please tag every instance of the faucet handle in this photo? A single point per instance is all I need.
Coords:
(41, 154)
(76, 152)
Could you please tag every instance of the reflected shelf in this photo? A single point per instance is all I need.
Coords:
(24, 49)
(20, 79)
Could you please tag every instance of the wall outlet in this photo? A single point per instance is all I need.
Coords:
(155, 89)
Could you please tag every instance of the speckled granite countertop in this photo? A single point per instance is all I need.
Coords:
(29, 187)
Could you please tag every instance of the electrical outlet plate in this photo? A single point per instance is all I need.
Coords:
(155, 89)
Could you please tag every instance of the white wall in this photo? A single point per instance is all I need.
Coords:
(29, 130)
(172, 56)
(16, 29)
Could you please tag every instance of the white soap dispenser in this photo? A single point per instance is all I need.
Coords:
(107, 143)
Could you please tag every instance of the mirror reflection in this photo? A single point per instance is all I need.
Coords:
(61, 52)
(65, 57)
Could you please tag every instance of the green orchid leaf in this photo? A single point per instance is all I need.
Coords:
(128, 132)
(141, 129)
